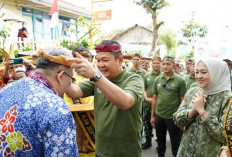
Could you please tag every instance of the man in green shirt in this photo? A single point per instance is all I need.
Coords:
(118, 96)
(168, 92)
(190, 79)
(148, 81)
(145, 65)
(188, 63)
(135, 68)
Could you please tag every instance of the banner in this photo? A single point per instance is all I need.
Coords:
(102, 15)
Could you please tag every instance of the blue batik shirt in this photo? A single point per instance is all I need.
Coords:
(35, 122)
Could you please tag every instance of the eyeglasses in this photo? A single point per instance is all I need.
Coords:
(73, 79)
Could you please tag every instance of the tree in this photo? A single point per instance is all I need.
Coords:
(168, 38)
(192, 30)
(84, 27)
(153, 7)
(4, 33)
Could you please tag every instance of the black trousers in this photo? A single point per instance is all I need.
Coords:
(161, 127)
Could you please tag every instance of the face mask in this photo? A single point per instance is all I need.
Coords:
(20, 69)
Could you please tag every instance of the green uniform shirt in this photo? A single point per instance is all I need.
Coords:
(168, 101)
(183, 75)
(149, 79)
(140, 72)
(202, 138)
(189, 81)
(195, 84)
(117, 131)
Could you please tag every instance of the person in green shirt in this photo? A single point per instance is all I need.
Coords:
(190, 79)
(145, 65)
(148, 81)
(168, 92)
(118, 96)
(188, 63)
(136, 68)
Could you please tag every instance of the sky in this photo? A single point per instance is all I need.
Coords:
(216, 14)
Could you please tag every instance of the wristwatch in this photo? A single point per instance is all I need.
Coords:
(96, 77)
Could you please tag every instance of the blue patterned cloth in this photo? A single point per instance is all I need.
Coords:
(35, 122)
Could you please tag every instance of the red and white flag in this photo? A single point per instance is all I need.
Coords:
(54, 13)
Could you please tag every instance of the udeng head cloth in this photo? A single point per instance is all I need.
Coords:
(57, 59)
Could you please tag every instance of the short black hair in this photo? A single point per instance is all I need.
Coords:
(83, 51)
(109, 42)
(112, 42)
(81, 48)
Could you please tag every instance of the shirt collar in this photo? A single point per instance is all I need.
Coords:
(120, 76)
(154, 73)
(40, 78)
(171, 77)
(140, 69)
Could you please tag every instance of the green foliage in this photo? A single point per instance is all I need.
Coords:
(16, 51)
(72, 45)
(192, 29)
(133, 52)
(5, 32)
(154, 5)
(82, 22)
(27, 48)
(190, 55)
(168, 38)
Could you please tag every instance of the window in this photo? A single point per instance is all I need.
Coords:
(41, 25)
(27, 11)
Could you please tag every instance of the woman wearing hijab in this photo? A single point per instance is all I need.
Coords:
(202, 111)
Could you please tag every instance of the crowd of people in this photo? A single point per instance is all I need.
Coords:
(194, 105)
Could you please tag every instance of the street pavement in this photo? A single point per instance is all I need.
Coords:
(151, 152)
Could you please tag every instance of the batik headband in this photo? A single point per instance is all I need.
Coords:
(57, 59)
(108, 48)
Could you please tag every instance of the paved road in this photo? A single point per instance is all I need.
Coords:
(151, 152)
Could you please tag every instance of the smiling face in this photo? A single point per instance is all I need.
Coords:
(202, 75)
(108, 65)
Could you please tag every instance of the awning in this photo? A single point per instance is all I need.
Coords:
(7, 15)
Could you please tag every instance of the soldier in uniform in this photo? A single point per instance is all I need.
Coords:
(148, 81)
(136, 68)
(168, 92)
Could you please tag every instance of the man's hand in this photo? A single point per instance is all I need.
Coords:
(148, 100)
(8, 63)
(82, 66)
(152, 121)
(26, 62)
